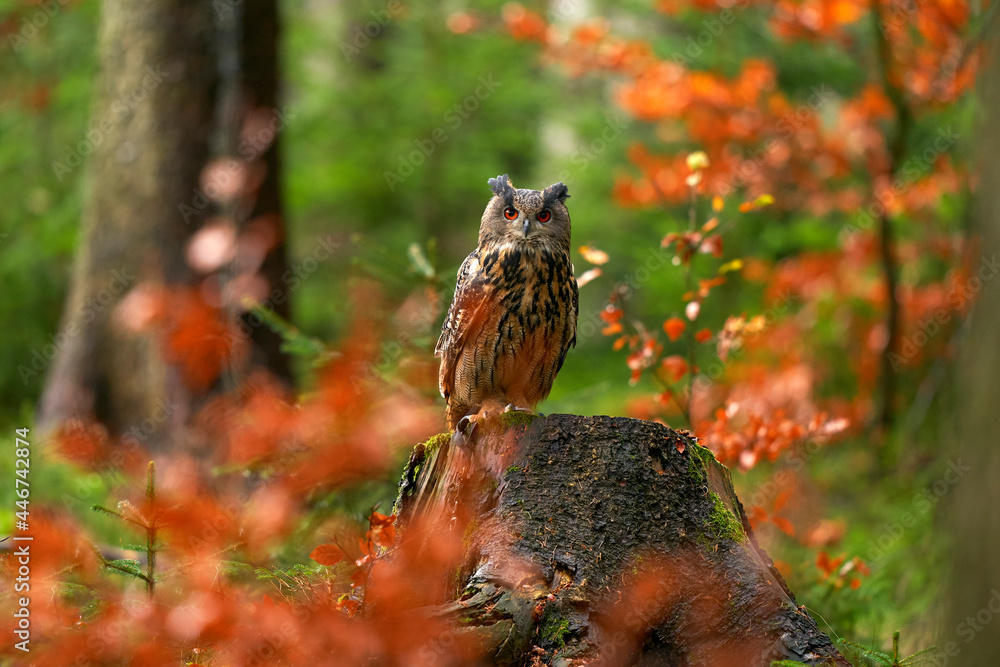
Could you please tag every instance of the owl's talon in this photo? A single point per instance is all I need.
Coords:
(466, 426)
(516, 408)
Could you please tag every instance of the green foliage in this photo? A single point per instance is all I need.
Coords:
(294, 342)
(45, 94)
(129, 514)
(922, 657)
(555, 629)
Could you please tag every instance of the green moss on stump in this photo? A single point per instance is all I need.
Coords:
(435, 442)
(555, 630)
(721, 521)
(701, 458)
(517, 418)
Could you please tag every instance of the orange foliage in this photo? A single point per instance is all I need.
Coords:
(207, 512)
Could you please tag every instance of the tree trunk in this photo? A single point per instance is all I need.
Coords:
(165, 66)
(608, 539)
(153, 112)
(970, 634)
(250, 33)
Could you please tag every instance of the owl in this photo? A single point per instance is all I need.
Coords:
(513, 317)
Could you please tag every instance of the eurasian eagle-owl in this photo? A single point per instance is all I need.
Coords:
(514, 313)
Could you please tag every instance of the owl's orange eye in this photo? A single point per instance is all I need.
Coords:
(544, 216)
(510, 213)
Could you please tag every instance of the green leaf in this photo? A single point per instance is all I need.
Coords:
(880, 657)
(104, 510)
(126, 566)
(294, 342)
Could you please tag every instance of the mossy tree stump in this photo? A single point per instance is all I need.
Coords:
(601, 540)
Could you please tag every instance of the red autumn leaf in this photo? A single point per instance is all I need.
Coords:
(348, 605)
(781, 500)
(757, 515)
(676, 366)
(826, 564)
(327, 554)
(382, 532)
(198, 339)
(674, 327)
(366, 549)
(784, 524)
(634, 361)
(712, 245)
(83, 443)
(611, 314)
(523, 24)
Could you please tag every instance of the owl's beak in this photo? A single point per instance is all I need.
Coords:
(527, 226)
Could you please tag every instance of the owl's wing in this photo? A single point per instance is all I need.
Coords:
(570, 339)
(463, 317)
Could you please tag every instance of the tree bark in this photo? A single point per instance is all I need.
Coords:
(603, 539)
(153, 109)
(970, 635)
(252, 30)
(165, 66)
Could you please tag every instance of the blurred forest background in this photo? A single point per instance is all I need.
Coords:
(772, 203)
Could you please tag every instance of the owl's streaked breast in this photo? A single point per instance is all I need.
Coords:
(530, 322)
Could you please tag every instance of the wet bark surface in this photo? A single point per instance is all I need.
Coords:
(604, 540)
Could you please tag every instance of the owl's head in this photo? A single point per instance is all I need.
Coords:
(526, 217)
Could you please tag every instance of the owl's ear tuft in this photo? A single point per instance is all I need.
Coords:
(502, 186)
(556, 192)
